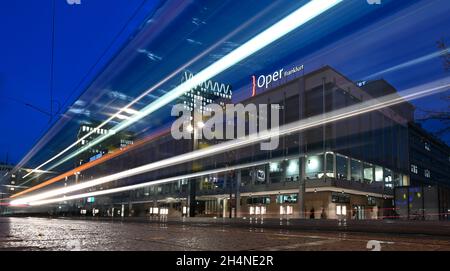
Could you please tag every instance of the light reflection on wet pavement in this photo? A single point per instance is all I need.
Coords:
(66, 234)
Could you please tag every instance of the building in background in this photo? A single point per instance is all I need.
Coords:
(429, 158)
(428, 197)
(119, 140)
(344, 169)
(11, 182)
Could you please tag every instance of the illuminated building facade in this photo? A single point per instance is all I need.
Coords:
(344, 169)
(10, 182)
(352, 168)
(116, 141)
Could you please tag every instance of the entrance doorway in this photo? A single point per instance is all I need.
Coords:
(359, 212)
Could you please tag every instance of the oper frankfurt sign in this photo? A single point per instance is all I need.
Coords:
(264, 81)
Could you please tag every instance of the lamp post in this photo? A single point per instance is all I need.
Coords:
(196, 129)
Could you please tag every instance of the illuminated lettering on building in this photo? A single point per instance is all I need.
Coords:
(264, 81)
(205, 93)
(219, 89)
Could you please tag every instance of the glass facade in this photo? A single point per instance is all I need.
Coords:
(314, 161)
(368, 173)
(292, 170)
(356, 170)
(314, 168)
(341, 167)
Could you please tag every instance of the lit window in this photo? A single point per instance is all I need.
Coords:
(414, 169)
(341, 210)
(427, 146)
(427, 173)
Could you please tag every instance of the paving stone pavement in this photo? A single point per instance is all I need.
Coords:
(92, 235)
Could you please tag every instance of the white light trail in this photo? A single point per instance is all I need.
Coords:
(131, 111)
(286, 25)
(344, 113)
(146, 184)
(122, 117)
(409, 63)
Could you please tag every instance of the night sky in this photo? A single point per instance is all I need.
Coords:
(82, 35)
(90, 33)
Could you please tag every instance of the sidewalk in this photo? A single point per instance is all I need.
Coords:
(435, 228)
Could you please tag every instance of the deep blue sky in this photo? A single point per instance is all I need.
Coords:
(84, 32)
(82, 35)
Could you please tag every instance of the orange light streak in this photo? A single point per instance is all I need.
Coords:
(92, 164)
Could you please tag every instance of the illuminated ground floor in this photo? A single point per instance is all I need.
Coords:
(284, 204)
(315, 186)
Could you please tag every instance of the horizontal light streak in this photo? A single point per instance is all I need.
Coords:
(410, 63)
(142, 185)
(94, 163)
(344, 113)
(294, 20)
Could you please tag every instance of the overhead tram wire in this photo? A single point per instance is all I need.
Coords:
(184, 66)
(160, 83)
(110, 45)
(52, 60)
(93, 66)
(278, 30)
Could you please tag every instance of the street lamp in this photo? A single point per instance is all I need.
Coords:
(195, 128)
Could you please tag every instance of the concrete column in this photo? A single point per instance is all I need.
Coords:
(238, 193)
(218, 207)
(191, 197)
(130, 207)
(225, 182)
(224, 213)
(334, 166)
(373, 173)
(253, 181)
(302, 188)
(302, 148)
(362, 171)
(349, 168)
(230, 180)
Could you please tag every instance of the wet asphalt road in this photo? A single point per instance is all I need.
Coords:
(71, 234)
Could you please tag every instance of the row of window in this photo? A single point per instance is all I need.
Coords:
(415, 170)
(124, 143)
(90, 129)
(318, 167)
(427, 146)
(281, 199)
